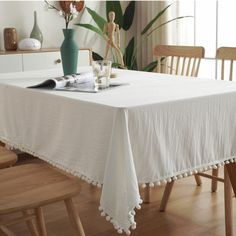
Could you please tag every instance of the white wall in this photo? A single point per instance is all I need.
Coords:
(19, 14)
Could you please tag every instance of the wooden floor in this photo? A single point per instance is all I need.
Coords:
(191, 211)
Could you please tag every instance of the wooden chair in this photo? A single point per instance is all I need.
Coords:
(7, 158)
(178, 60)
(26, 188)
(223, 54)
(85, 57)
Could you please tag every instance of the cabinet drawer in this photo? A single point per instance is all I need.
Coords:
(10, 63)
(41, 61)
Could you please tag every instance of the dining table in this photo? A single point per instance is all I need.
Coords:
(153, 129)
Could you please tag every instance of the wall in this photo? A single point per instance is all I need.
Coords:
(19, 14)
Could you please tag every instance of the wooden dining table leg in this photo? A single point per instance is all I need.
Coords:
(228, 204)
(198, 180)
(166, 196)
(214, 181)
(147, 192)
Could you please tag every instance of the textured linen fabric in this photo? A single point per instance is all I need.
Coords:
(154, 129)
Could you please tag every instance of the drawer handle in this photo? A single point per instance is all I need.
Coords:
(58, 61)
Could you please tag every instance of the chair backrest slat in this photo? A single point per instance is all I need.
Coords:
(177, 66)
(193, 67)
(231, 70)
(183, 67)
(171, 65)
(198, 66)
(176, 53)
(188, 67)
(159, 65)
(224, 54)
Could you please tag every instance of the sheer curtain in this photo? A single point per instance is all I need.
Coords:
(180, 32)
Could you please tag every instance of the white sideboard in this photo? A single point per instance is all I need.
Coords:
(19, 61)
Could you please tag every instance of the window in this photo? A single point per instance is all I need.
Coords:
(212, 29)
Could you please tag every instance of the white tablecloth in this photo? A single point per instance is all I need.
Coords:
(156, 129)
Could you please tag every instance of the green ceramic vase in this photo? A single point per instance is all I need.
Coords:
(36, 32)
(69, 52)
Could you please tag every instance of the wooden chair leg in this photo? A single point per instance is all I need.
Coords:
(30, 224)
(74, 217)
(198, 180)
(214, 181)
(166, 196)
(40, 221)
(147, 191)
(4, 231)
(228, 204)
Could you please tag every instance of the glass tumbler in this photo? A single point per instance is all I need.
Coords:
(102, 72)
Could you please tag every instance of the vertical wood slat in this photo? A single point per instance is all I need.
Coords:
(231, 70)
(171, 65)
(193, 67)
(222, 69)
(188, 67)
(198, 66)
(165, 66)
(159, 65)
(183, 66)
(177, 66)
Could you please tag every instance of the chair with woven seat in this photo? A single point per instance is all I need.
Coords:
(26, 188)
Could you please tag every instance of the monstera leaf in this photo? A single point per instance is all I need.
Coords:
(96, 56)
(150, 24)
(129, 53)
(92, 28)
(150, 67)
(128, 16)
(100, 21)
(116, 7)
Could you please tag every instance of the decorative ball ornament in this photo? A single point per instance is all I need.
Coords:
(29, 44)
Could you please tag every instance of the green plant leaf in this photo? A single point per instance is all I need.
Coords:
(115, 65)
(96, 56)
(150, 67)
(128, 15)
(149, 25)
(134, 65)
(129, 53)
(91, 27)
(174, 19)
(100, 21)
(116, 7)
